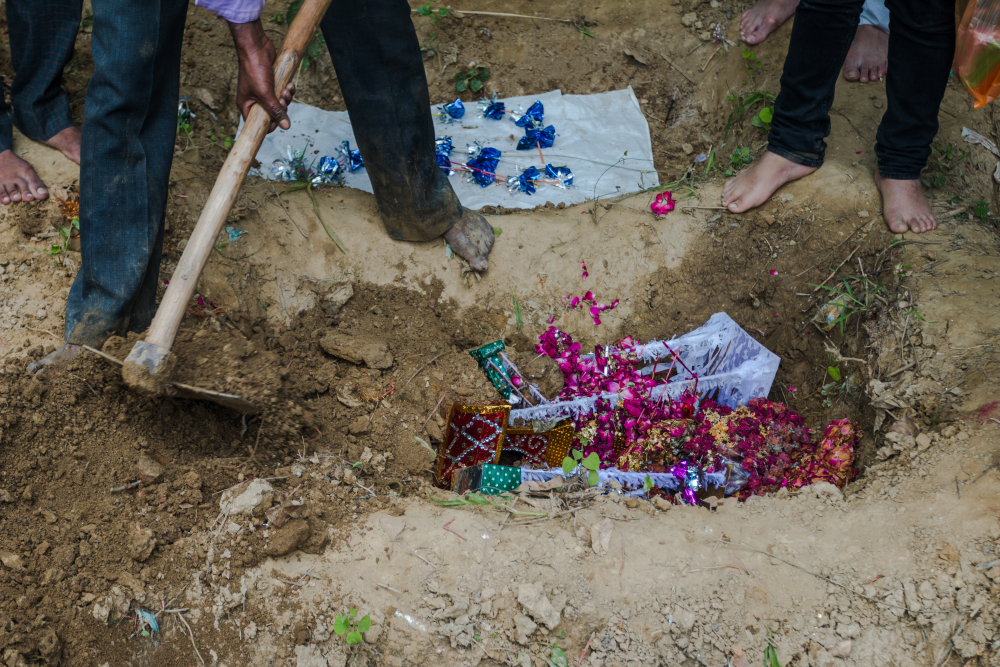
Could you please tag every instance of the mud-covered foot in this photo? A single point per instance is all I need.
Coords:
(764, 18)
(56, 360)
(904, 206)
(18, 180)
(754, 186)
(67, 141)
(868, 58)
(472, 239)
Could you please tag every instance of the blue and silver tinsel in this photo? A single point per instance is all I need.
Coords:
(525, 182)
(442, 152)
(492, 108)
(561, 174)
(453, 111)
(533, 116)
(544, 138)
(484, 165)
(354, 161)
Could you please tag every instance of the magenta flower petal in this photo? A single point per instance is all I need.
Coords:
(774, 272)
(589, 296)
(583, 265)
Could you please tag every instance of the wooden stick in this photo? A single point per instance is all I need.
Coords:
(234, 171)
(459, 12)
(682, 72)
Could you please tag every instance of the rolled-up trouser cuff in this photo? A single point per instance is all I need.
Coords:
(805, 159)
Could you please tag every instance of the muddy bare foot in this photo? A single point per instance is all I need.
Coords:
(67, 141)
(753, 187)
(56, 360)
(18, 180)
(904, 206)
(764, 18)
(868, 58)
(472, 239)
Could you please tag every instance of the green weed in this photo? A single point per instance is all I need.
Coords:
(750, 60)
(56, 250)
(740, 158)
(855, 296)
(471, 79)
(351, 626)
(436, 15)
(742, 105)
(981, 210)
(591, 463)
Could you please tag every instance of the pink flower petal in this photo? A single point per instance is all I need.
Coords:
(773, 272)
(552, 319)
(589, 296)
(574, 302)
(583, 265)
(777, 314)
(792, 389)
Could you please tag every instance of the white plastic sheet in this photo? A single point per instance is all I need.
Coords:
(602, 138)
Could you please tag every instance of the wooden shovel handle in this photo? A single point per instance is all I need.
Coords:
(227, 186)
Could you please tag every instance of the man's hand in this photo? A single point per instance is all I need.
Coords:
(256, 81)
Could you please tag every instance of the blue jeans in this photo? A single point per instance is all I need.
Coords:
(921, 48)
(129, 127)
(42, 35)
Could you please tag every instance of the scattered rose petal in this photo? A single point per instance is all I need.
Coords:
(774, 272)
(589, 296)
(552, 319)
(201, 302)
(583, 264)
(777, 314)
(664, 204)
(857, 152)
(574, 302)
(792, 389)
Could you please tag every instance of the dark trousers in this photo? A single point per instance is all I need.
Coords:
(921, 47)
(128, 143)
(377, 57)
(42, 35)
(129, 127)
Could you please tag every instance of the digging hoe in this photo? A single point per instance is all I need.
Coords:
(149, 365)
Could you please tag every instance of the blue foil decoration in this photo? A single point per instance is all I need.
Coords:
(532, 137)
(526, 181)
(561, 174)
(442, 150)
(533, 116)
(487, 162)
(454, 109)
(354, 161)
(492, 108)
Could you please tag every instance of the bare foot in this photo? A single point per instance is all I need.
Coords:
(472, 238)
(754, 186)
(67, 141)
(868, 58)
(764, 18)
(904, 206)
(56, 360)
(18, 180)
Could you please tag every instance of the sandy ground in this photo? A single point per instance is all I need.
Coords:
(887, 573)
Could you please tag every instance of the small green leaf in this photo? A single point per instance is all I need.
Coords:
(340, 625)
(647, 484)
(355, 638)
(475, 85)
(558, 657)
(459, 76)
(365, 624)
(592, 462)
(834, 373)
(577, 454)
(460, 86)
(568, 465)
(425, 10)
(497, 231)
(354, 612)
(483, 74)
(444, 11)
(145, 633)
(766, 114)
(592, 478)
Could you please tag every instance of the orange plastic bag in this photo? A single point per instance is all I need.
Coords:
(977, 49)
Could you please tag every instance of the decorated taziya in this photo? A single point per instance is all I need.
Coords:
(453, 111)
(764, 443)
(533, 116)
(442, 152)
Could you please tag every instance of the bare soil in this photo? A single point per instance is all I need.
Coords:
(887, 573)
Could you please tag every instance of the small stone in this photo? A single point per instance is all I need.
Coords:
(309, 655)
(862, 214)
(41, 313)
(372, 354)
(334, 300)
(28, 494)
(11, 560)
(253, 498)
(532, 597)
(662, 503)
(687, 148)
(523, 627)
(291, 536)
(689, 19)
(878, 104)
(923, 441)
(141, 545)
(360, 425)
(5, 496)
(848, 629)
(151, 465)
(632, 503)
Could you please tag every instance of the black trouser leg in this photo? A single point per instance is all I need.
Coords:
(377, 57)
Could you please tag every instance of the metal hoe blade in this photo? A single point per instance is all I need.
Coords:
(195, 393)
